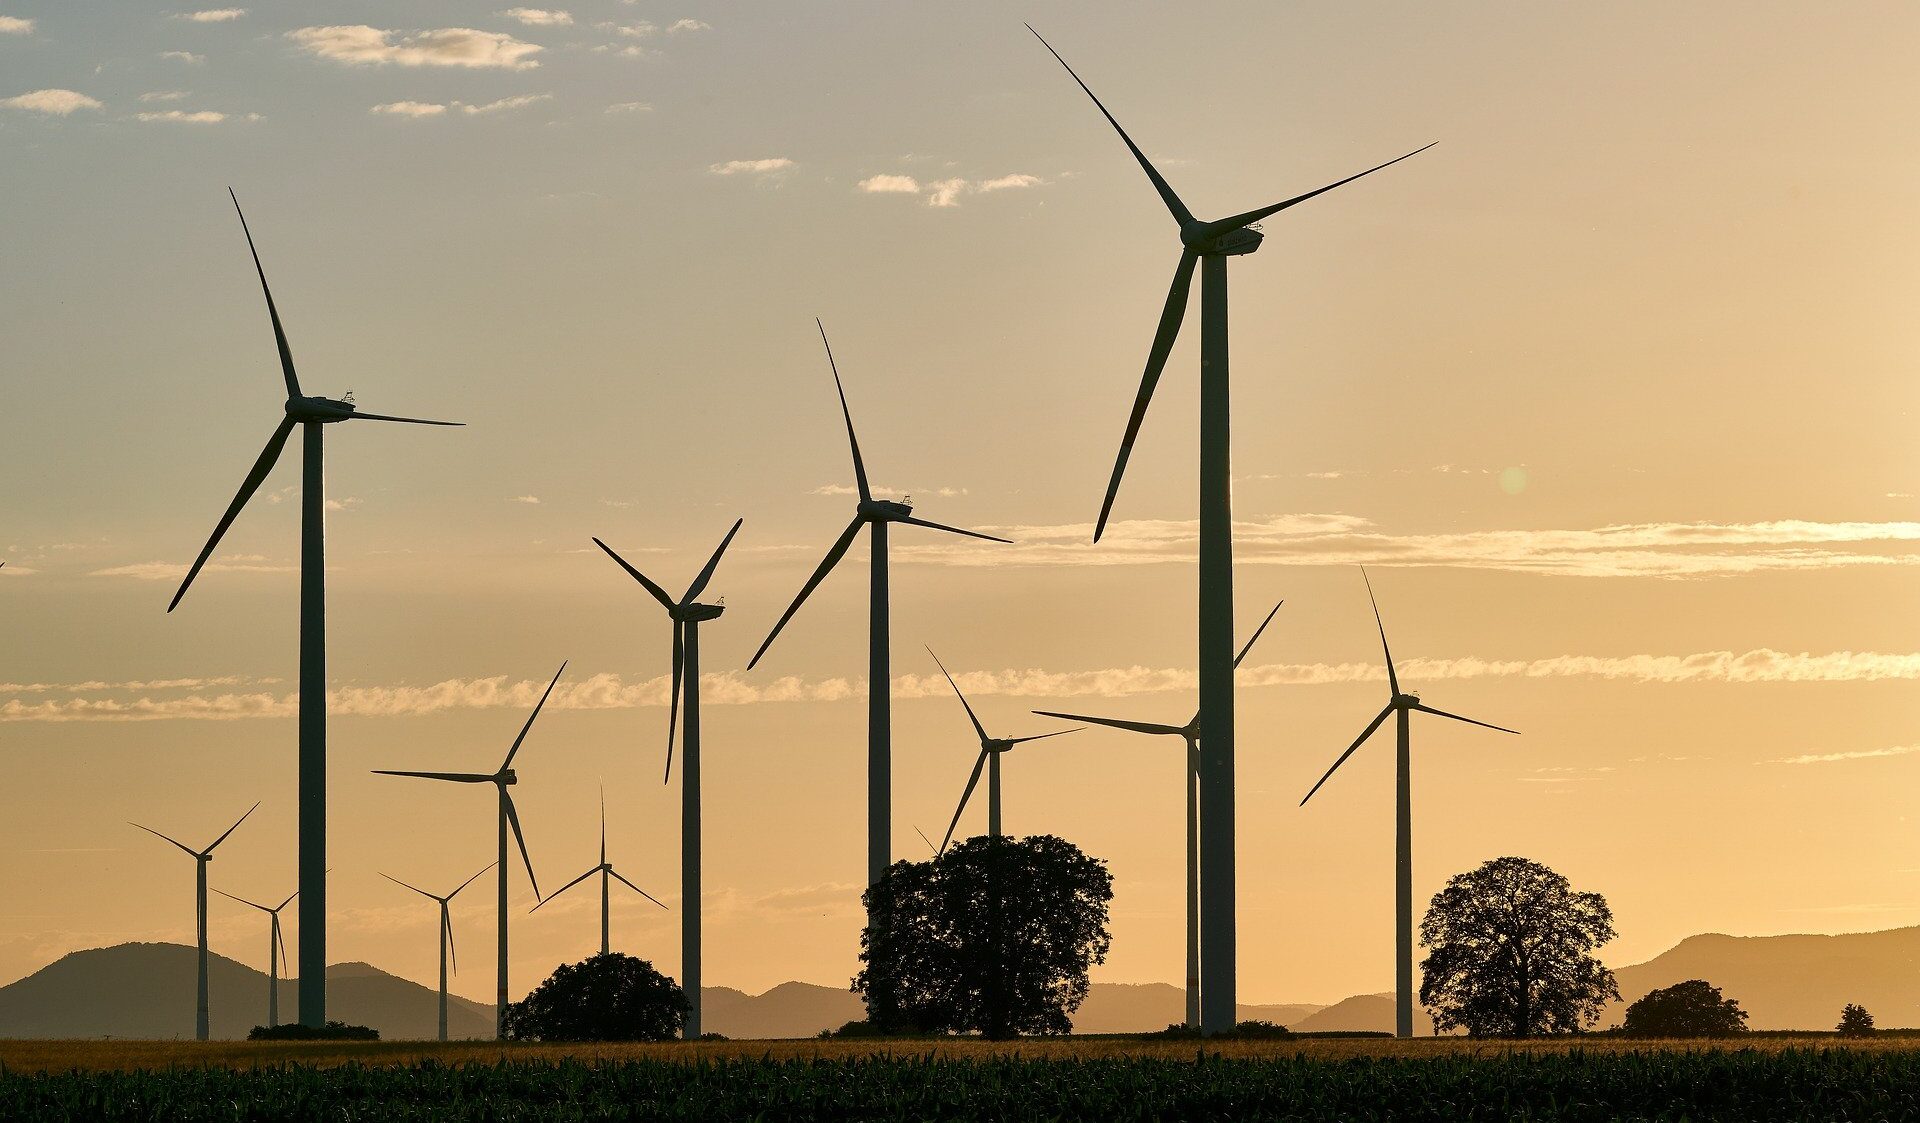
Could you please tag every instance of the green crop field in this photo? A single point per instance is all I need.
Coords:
(1105, 1079)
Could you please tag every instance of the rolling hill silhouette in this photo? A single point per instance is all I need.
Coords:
(1793, 982)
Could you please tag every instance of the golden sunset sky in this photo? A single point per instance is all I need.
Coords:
(1613, 391)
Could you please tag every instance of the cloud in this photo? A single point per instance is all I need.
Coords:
(539, 17)
(944, 192)
(212, 15)
(57, 103)
(638, 30)
(174, 571)
(199, 117)
(754, 167)
(187, 57)
(890, 184)
(1007, 182)
(878, 489)
(1858, 754)
(629, 107)
(533, 500)
(15, 25)
(358, 44)
(163, 95)
(434, 109)
(410, 109)
(680, 25)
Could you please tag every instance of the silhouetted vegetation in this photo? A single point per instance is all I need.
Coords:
(993, 937)
(1695, 1008)
(294, 1031)
(1855, 1021)
(1511, 953)
(610, 997)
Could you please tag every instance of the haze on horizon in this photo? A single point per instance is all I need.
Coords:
(1613, 391)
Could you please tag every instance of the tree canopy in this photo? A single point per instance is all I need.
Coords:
(610, 997)
(1854, 1021)
(1511, 953)
(993, 936)
(1695, 1008)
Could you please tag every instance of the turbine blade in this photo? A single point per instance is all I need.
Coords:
(659, 594)
(564, 888)
(508, 763)
(288, 901)
(1357, 742)
(912, 521)
(243, 901)
(635, 888)
(1256, 635)
(1426, 709)
(977, 727)
(1042, 736)
(1171, 315)
(256, 476)
(1393, 680)
(456, 777)
(859, 465)
(973, 781)
(1179, 209)
(358, 416)
(175, 841)
(603, 824)
(513, 820)
(273, 313)
(446, 921)
(834, 553)
(673, 714)
(700, 583)
(415, 888)
(925, 839)
(1119, 723)
(1215, 229)
(281, 942)
(471, 880)
(234, 827)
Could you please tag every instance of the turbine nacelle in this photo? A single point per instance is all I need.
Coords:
(884, 510)
(506, 776)
(1207, 240)
(696, 613)
(319, 409)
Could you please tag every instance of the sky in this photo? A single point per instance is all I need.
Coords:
(1612, 390)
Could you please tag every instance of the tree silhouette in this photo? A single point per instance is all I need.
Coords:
(993, 936)
(611, 997)
(1512, 953)
(1855, 1021)
(1695, 1008)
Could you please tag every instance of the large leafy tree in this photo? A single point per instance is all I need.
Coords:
(1695, 1008)
(1511, 953)
(610, 997)
(994, 936)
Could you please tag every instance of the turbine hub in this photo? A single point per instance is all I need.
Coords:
(885, 510)
(319, 409)
(1233, 243)
(505, 775)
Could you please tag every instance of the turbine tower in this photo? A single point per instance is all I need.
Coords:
(607, 875)
(276, 949)
(312, 415)
(877, 514)
(1190, 733)
(1401, 705)
(1211, 243)
(446, 933)
(501, 780)
(991, 749)
(687, 615)
(200, 860)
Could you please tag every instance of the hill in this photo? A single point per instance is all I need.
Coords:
(1793, 982)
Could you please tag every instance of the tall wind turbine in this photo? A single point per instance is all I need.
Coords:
(1211, 243)
(607, 875)
(687, 615)
(1401, 705)
(312, 415)
(446, 932)
(991, 749)
(276, 949)
(877, 514)
(200, 860)
(501, 780)
(1190, 733)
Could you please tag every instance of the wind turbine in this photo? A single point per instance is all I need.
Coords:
(877, 514)
(1401, 705)
(312, 415)
(501, 781)
(446, 933)
(607, 875)
(276, 949)
(1190, 733)
(687, 615)
(991, 749)
(200, 860)
(1211, 243)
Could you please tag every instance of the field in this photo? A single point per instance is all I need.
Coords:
(1764, 1077)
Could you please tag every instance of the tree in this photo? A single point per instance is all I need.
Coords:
(1694, 1008)
(610, 997)
(994, 936)
(1855, 1021)
(1512, 953)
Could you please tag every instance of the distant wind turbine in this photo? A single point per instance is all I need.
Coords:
(991, 749)
(1190, 733)
(446, 932)
(501, 780)
(687, 615)
(1212, 243)
(276, 949)
(312, 415)
(877, 514)
(607, 875)
(200, 860)
(1401, 705)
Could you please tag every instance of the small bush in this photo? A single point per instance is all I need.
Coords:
(1258, 1031)
(332, 1031)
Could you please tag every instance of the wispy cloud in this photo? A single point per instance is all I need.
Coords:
(943, 192)
(359, 44)
(437, 109)
(15, 25)
(533, 500)
(890, 185)
(212, 15)
(174, 571)
(539, 17)
(187, 57)
(55, 103)
(629, 107)
(194, 117)
(681, 26)
(880, 489)
(162, 95)
(1857, 754)
(751, 167)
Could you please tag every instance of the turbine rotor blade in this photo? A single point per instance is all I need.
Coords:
(1179, 209)
(273, 313)
(834, 553)
(973, 781)
(288, 901)
(513, 820)
(243, 901)
(281, 941)
(1393, 680)
(859, 466)
(700, 583)
(1426, 709)
(357, 416)
(256, 476)
(1256, 635)
(1171, 316)
(456, 777)
(925, 839)
(471, 880)
(415, 888)
(564, 888)
(659, 594)
(1357, 742)
(508, 763)
(673, 715)
(190, 850)
(1119, 723)
(912, 521)
(1041, 736)
(234, 827)
(603, 824)
(446, 922)
(636, 888)
(1222, 226)
(977, 727)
